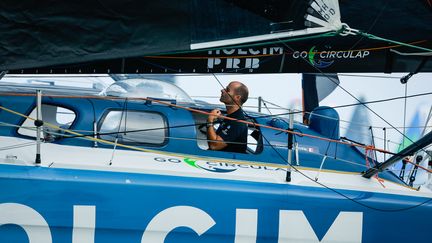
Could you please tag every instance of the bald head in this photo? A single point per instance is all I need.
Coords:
(240, 89)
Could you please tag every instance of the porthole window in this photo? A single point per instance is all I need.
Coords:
(51, 114)
(134, 127)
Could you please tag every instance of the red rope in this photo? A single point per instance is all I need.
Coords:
(369, 152)
(208, 113)
(421, 167)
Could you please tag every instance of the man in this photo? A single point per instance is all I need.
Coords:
(231, 136)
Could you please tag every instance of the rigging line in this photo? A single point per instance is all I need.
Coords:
(265, 164)
(144, 136)
(372, 25)
(374, 37)
(367, 76)
(360, 103)
(217, 97)
(351, 199)
(428, 119)
(201, 112)
(15, 146)
(137, 148)
(141, 130)
(404, 118)
(225, 117)
(365, 135)
(5, 124)
(177, 74)
(278, 106)
(265, 145)
(195, 139)
(405, 127)
(350, 122)
(251, 123)
(265, 104)
(323, 185)
(328, 145)
(137, 142)
(64, 136)
(259, 125)
(317, 182)
(426, 54)
(124, 112)
(356, 104)
(429, 200)
(334, 107)
(417, 165)
(298, 112)
(422, 149)
(153, 136)
(141, 149)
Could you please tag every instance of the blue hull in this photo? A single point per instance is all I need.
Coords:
(125, 204)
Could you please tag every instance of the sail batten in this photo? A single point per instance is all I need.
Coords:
(258, 38)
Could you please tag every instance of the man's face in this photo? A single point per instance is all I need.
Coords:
(228, 94)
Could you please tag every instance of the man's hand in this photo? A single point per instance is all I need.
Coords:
(215, 142)
(214, 114)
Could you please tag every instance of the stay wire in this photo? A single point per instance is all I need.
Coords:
(322, 184)
(372, 25)
(341, 194)
(122, 145)
(354, 104)
(404, 118)
(353, 96)
(299, 173)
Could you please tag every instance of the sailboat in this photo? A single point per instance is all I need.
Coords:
(130, 163)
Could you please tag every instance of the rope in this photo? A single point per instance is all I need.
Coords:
(374, 37)
(65, 136)
(369, 153)
(147, 150)
(346, 30)
(237, 162)
(189, 109)
(421, 167)
(207, 114)
(405, 110)
(349, 93)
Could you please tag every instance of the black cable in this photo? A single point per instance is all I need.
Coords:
(139, 130)
(405, 105)
(349, 93)
(321, 184)
(366, 76)
(341, 194)
(177, 74)
(337, 192)
(329, 188)
(372, 25)
(354, 104)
